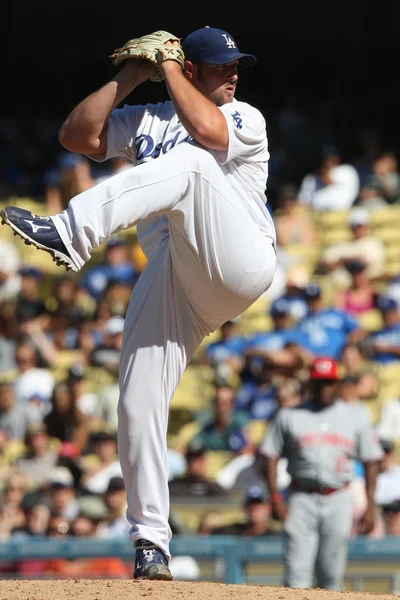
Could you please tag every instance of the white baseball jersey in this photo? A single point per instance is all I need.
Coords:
(321, 445)
(144, 132)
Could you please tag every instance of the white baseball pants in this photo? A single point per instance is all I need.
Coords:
(211, 267)
(316, 539)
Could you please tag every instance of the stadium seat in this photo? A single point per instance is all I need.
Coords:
(215, 460)
(185, 434)
(194, 389)
(370, 320)
(331, 219)
(256, 430)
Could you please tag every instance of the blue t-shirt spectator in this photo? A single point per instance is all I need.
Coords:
(385, 343)
(325, 332)
(229, 345)
(96, 278)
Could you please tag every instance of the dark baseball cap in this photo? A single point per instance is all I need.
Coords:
(214, 46)
(255, 493)
(195, 448)
(280, 307)
(312, 290)
(385, 304)
(355, 265)
(116, 484)
(393, 507)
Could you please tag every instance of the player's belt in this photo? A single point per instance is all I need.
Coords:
(317, 489)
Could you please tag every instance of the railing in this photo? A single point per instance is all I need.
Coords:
(234, 552)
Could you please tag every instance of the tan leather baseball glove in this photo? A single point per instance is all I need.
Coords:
(155, 47)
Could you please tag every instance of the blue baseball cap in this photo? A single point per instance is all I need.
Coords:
(214, 46)
(280, 307)
(385, 304)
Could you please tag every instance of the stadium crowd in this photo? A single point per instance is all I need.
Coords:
(336, 294)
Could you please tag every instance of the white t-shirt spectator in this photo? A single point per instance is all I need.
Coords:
(388, 427)
(34, 385)
(339, 195)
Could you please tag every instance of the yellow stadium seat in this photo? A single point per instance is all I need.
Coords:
(66, 358)
(215, 460)
(331, 219)
(388, 373)
(332, 236)
(256, 430)
(184, 435)
(195, 388)
(388, 234)
(384, 216)
(371, 320)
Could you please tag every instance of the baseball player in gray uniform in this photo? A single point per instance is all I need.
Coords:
(196, 192)
(321, 438)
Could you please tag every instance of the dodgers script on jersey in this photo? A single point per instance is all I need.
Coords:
(321, 445)
(145, 132)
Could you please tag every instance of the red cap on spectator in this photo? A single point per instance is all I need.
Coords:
(324, 368)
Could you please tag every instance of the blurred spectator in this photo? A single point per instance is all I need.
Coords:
(115, 524)
(261, 344)
(391, 517)
(66, 299)
(12, 515)
(28, 302)
(118, 294)
(360, 296)
(59, 493)
(388, 479)
(226, 354)
(176, 463)
(297, 280)
(257, 507)
(246, 470)
(36, 523)
(7, 341)
(293, 221)
(15, 418)
(32, 384)
(385, 167)
(364, 246)
(194, 482)
(257, 396)
(324, 331)
(107, 353)
(106, 408)
(103, 464)
(226, 429)
(388, 426)
(333, 186)
(383, 346)
(116, 266)
(40, 456)
(84, 400)
(70, 176)
(10, 278)
(65, 421)
(370, 196)
(354, 362)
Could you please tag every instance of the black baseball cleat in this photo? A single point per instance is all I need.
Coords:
(150, 562)
(38, 231)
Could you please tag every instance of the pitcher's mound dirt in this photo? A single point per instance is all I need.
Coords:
(84, 589)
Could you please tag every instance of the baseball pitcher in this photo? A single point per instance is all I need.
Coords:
(196, 192)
